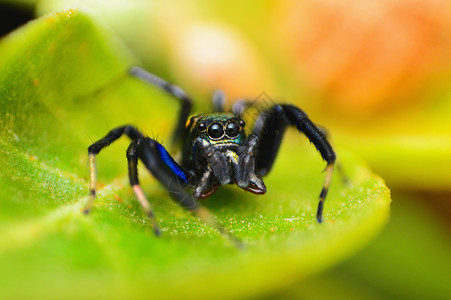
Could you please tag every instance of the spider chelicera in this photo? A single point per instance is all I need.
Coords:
(215, 151)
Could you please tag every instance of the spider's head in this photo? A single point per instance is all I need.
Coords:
(218, 128)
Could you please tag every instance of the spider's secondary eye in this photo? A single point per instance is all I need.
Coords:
(201, 126)
(242, 123)
(232, 129)
(215, 131)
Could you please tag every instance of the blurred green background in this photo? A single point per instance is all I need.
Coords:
(376, 74)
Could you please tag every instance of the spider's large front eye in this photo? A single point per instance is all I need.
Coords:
(215, 131)
(232, 129)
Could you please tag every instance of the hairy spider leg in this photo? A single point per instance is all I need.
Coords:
(218, 100)
(270, 128)
(175, 91)
(239, 106)
(163, 167)
(132, 159)
(338, 163)
(95, 148)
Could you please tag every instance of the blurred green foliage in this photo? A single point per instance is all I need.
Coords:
(63, 84)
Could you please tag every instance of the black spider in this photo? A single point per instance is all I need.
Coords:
(215, 151)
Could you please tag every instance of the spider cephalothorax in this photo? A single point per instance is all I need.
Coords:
(218, 152)
(215, 151)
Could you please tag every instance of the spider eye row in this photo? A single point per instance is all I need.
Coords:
(216, 130)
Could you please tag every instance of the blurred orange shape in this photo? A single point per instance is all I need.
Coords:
(367, 55)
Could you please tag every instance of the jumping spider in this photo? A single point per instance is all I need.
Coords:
(215, 151)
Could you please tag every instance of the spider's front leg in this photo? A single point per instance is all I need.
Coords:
(162, 166)
(245, 170)
(175, 91)
(95, 148)
(270, 127)
(158, 161)
(215, 167)
(212, 168)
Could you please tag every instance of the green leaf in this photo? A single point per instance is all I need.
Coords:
(64, 84)
(388, 268)
(419, 141)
